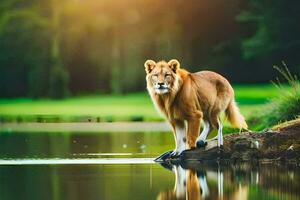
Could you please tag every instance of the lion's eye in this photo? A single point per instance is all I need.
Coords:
(154, 76)
(167, 75)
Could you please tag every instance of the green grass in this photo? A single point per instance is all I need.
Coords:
(108, 108)
(284, 107)
(131, 107)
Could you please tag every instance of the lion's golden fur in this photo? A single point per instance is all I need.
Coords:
(192, 97)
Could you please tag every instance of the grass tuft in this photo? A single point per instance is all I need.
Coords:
(283, 108)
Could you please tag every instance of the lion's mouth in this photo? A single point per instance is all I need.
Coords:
(161, 87)
(161, 90)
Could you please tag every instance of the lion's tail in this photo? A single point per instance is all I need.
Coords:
(234, 116)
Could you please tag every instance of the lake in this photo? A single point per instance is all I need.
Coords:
(119, 165)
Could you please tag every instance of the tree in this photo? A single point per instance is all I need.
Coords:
(30, 49)
(59, 76)
(24, 67)
(277, 29)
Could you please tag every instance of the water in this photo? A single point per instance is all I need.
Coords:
(108, 166)
(83, 145)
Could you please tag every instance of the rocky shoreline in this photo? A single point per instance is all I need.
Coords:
(281, 144)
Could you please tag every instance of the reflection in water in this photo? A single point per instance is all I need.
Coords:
(242, 182)
(192, 184)
(148, 181)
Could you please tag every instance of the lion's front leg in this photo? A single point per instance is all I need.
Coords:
(180, 137)
(179, 131)
(192, 132)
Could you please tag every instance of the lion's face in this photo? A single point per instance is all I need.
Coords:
(161, 76)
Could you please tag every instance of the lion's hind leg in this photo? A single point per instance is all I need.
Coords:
(201, 141)
(216, 123)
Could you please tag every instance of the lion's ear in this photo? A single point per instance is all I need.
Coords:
(149, 66)
(174, 65)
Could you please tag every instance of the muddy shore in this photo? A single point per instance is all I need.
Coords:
(281, 144)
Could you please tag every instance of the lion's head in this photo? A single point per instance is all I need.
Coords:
(162, 77)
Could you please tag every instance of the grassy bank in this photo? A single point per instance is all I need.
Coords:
(284, 107)
(131, 107)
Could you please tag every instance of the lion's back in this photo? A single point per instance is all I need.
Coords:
(212, 79)
(211, 89)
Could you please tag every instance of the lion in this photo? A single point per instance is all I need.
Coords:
(186, 99)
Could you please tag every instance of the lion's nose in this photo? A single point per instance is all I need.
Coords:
(160, 84)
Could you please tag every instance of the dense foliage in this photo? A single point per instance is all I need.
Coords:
(52, 47)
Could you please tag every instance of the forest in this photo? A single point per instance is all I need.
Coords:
(54, 49)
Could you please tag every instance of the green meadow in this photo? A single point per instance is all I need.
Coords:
(130, 107)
